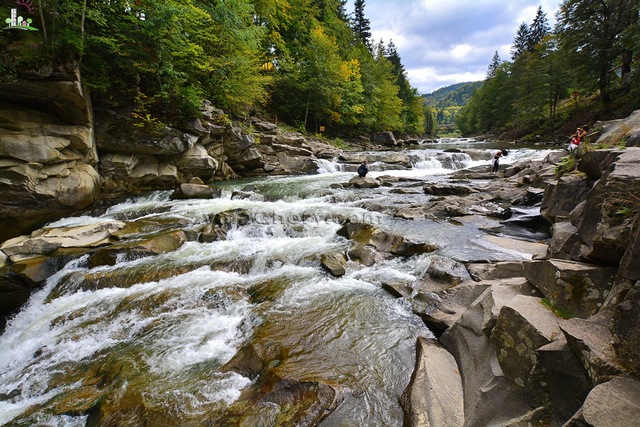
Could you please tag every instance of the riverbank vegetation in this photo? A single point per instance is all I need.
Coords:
(302, 62)
(586, 68)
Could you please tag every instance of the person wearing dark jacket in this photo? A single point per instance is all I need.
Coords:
(362, 170)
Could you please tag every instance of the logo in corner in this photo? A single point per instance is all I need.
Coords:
(18, 22)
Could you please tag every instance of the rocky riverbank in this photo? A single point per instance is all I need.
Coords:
(550, 340)
(553, 340)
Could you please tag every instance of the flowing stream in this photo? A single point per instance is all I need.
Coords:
(158, 330)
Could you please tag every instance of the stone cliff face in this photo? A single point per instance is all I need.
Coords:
(57, 157)
(47, 150)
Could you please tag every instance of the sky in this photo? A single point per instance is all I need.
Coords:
(446, 42)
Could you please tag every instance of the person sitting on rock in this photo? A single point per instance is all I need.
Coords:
(577, 137)
(363, 170)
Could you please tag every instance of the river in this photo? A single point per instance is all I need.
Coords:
(160, 343)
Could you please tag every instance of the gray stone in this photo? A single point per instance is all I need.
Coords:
(591, 341)
(522, 327)
(434, 396)
(363, 182)
(576, 288)
(384, 138)
(612, 404)
(561, 197)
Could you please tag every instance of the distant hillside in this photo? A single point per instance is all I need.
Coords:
(447, 102)
(457, 95)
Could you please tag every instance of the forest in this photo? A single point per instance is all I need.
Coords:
(586, 68)
(306, 63)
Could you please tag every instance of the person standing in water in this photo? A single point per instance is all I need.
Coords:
(496, 161)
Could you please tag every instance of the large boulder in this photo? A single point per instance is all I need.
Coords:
(489, 397)
(241, 150)
(384, 138)
(592, 340)
(561, 197)
(615, 403)
(523, 326)
(196, 162)
(621, 130)
(577, 289)
(383, 241)
(363, 182)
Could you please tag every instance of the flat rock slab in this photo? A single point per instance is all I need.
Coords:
(435, 397)
(527, 249)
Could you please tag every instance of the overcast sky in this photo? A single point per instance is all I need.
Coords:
(453, 41)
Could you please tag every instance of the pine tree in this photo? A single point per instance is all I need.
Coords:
(538, 29)
(520, 43)
(361, 25)
(493, 66)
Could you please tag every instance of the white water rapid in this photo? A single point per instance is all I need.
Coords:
(158, 330)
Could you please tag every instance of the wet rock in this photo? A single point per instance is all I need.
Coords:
(448, 189)
(195, 191)
(336, 263)
(384, 241)
(364, 254)
(47, 240)
(363, 182)
(446, 270)
(154, 245)
(577, 289)
(434, 397)
(34, 269)
(412, 213)
(611, 404)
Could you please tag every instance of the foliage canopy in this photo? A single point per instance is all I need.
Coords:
(304, 61)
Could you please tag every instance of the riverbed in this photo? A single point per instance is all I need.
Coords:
(164, 343)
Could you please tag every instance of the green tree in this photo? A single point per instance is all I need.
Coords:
(494, 65)
(521, 42)
(538, 30)
(361, 25)
(593, 31)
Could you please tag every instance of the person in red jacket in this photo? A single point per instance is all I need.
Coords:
(577, 138)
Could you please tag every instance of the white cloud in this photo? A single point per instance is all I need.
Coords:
(444, 43)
